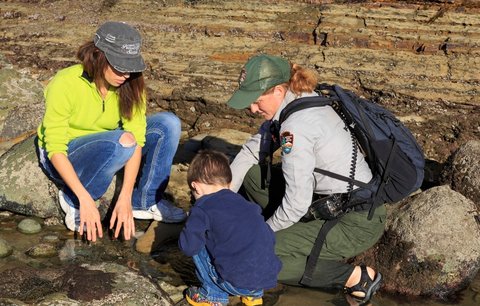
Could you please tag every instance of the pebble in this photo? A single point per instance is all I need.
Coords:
(29, 226)
(51, 238)
(175, 293)
(5, 248)
(5, 213)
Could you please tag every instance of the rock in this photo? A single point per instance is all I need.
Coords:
(157, 234)
(12, 302)
(51, 238)
(5, 214)
(21, 103)
(27, 190)
(174, 292)
(228, 141)
(29, 226)
(5, 248)
(431, 246)
(42, 250)
(101, 284)
(466, 171)
(178, 188)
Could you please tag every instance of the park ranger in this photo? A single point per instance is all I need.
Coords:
(309, 138)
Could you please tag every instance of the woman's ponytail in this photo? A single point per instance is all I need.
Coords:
(302, 79)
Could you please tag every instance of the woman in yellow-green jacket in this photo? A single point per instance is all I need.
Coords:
(95, 124)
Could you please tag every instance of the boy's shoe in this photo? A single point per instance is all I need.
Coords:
(72, 215)
(162, 211)
(195, 298)
(251, 301)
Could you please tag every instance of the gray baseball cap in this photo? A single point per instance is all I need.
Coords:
(121, 44)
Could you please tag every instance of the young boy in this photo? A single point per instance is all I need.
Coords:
(231, 245)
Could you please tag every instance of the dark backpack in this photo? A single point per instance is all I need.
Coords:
(392, 153)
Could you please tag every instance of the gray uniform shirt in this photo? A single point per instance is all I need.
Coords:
(319, 140)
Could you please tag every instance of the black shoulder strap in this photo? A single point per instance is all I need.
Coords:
(341, 177)
(303, 103)
(315, 252)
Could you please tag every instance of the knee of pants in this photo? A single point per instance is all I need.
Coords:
(167, 122)
(117, 145)
(127, 140)
(125, 147)
(252, 180)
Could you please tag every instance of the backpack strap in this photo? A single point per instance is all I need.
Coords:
(274, 131)
(315, 252)
(341, 177)
(296, 105)
(383, 182)
(303, 103)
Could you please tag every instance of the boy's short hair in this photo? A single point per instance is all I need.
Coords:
(210, 167)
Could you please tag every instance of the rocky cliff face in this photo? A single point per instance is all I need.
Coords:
(419, 58)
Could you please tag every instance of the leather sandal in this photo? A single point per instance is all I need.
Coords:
(366, 285)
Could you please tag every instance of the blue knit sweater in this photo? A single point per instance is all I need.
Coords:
(236, 236)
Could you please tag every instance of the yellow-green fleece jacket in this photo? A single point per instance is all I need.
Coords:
(74, 108)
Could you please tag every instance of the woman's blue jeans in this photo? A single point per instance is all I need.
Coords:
(214, 288)
(96, 159)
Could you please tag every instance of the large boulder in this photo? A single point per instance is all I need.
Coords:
(465, 176)
(431, 246)
(26, 190)
(21, 104)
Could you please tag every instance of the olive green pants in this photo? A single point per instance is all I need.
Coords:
(352, 235)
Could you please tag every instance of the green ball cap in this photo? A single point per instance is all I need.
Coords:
(259, 74)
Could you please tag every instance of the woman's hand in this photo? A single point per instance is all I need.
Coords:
(122, 215)
(89, 216)
(90, 219)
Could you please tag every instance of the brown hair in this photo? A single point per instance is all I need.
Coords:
(130, 92)
(301, 80)
(210, 167)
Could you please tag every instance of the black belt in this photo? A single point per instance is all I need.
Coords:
(312, 215)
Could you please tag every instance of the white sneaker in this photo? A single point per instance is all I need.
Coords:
(162, 211)
(72, 215)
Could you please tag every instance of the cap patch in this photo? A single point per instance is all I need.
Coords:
(131, 49)
(286, 141)
(110, 38)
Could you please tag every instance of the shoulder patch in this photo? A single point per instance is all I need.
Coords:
(286, 141)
